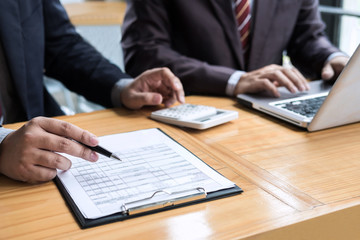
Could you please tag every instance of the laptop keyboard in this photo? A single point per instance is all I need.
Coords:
(306, 107)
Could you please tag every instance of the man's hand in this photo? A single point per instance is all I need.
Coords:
(30, 153)
(153, 87)
(269, 78)
(333, 68)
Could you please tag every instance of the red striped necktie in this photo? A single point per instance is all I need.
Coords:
(242, 11)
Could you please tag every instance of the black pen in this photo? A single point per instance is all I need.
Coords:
(102, 151)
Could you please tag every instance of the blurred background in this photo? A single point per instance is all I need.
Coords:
(342, 18)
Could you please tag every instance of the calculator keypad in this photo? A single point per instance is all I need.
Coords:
(186, 112)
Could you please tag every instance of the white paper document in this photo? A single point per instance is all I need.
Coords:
(154, 168)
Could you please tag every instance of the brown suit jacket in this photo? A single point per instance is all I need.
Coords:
(198, 40)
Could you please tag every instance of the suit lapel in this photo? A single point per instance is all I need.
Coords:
(261, 21)
(225, 14)
(12, 40)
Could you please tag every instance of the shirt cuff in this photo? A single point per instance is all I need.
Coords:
(117, 89)
(336, 54)
(232, 82)
(4, 132)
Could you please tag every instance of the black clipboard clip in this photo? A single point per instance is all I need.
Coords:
(200, 194)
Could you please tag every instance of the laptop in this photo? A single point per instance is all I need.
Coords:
(323, 106)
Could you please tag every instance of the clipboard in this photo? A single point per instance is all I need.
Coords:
(182, 198)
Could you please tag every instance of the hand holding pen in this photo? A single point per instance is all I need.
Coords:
(31, 153)
(102, 151)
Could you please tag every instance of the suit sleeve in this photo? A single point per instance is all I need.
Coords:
(309, 47)
(147, 43)
(73, 61)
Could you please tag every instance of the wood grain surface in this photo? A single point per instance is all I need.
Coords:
(297, 185)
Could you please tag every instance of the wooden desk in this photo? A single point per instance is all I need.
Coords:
(96, 13)
(297, 185)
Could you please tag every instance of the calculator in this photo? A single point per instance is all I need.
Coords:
(194, 116)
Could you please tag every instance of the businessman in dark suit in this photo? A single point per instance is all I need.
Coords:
(37, 39)
(201, 42)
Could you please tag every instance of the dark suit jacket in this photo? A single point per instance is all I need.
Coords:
(38, 39)
(198, 40)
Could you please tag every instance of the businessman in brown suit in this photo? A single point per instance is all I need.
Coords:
(202, 43)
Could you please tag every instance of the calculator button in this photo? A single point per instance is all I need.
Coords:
(186, 112)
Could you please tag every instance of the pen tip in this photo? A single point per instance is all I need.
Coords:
(115, 157)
